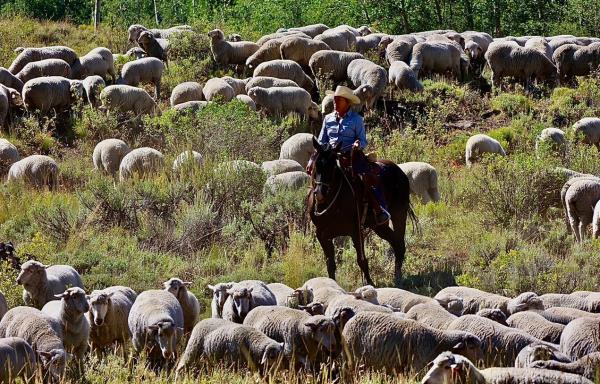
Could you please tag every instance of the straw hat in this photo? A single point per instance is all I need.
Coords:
(344, 92)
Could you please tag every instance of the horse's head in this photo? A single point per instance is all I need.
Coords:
(325, 164)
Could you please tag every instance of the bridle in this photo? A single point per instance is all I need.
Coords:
(337, 194)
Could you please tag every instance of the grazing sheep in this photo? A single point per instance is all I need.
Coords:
(218, 88)
(220, 295)
(536, 325)
(226, 52)
(298, 147)
(365, 72)
(152, 47)
(369, 42)
(399, 50)
(108, 154)
(238, 85)
(493, 314)
(285, 69)
(108, 316)
(589, 130)
(41, 283)
(93, 85)
(304, 337)
(293, 180)
(9, 98)
(581, 337)
(532, 353)
(553, 137)
(245, 296)
(449, 368)
(480, 144)
(190, 106)
(134, 53)
(140, 162)
(146, 70)
(36, 54)
(156, 323)
(276, 167)
(247, 101)
(474, 300)
(278, 35)
(282, 292)
(17, 359)
(383, 341)
(195, 346)
(99, 61)
(586, 366)
(189, 302)
(540, 44)
(565, 300)
(574, 60)
(405, 300)
(8, 153)
(187, 158)
(436, 57)
(357, 304)
(422, 179)
(267, 52)
(431, 314)
(311, 30)
(38, 171)
(268, 82)
(70, 312)
(280, 101)
(580, 199)
(564, 315)
(9, 80)
(46, 93)
(135, 30)
(572, 177)
(331, 66)
(338, 39)
(47, 67)
(188, 91)
(403, 77)
(300, 49)
(43, 333)
(125, 98)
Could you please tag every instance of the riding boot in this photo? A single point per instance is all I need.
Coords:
(382, 216)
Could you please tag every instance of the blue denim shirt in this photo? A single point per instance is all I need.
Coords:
(347, 130)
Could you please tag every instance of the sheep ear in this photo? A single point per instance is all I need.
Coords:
(61, 295)
(249, 290)
(312, 326)
(211, 287)
(45, 355)
(459, 346)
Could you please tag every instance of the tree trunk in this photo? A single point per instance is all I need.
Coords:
(404, 15)
(96, 15)
(156, 17)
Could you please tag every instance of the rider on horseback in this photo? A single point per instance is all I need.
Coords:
(346, 128)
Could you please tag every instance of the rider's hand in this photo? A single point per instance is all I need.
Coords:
(356, 145)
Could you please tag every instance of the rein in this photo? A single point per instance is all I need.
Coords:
(337, 194)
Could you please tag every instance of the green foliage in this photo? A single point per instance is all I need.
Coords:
(512, 104)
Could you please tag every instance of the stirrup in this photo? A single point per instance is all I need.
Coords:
(382, 217)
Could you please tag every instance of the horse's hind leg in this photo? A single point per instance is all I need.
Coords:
(396, 240)
(361, 258)
(329, 250)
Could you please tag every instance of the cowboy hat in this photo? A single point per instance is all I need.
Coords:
(344, 92)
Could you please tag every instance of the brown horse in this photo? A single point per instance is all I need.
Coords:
(336, 205)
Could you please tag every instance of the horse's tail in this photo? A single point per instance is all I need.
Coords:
(414, 220)
(400, 186)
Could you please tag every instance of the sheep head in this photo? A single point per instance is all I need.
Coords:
(320, 330)
(145, 38)
(315, 308)
(272, 355)
(242, 299)
(134, 31)
(220, 292)
(176, 286)
(166, 335)
(75, 300)
(99, 304)
(341, 316)
(54, 363)
(470, 347)
(525, 301)
(451, 368)
(216, 35)
(367, 293)
(31, 272)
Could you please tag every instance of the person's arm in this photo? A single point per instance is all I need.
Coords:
(361, 134)
(323, 137)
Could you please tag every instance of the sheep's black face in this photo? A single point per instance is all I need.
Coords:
(272, 356)
(241, 301)
(470, 347)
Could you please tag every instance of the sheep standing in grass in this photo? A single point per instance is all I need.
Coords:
(574, 60)
(146, 70)
(156, 323)
(245, 296)
(219, 297)
(300, 49)
(9, 98)
(340, 39)
(226, 52)
(311, 30)
(41, 283)
(195, 346)
(125, 98)
(152, 47)
(99, 61)
(285, 69)
(436, 57)
(580, 200)
(403, 77)
(280, 101)
(399, 50)
(38, 171)
(475, 300)
(189, 302)
(552, 137)
(586, 366)
(187, 158)
(52, 92)
(275, 167)
(423, 180)
(8, 153)
(29, 55)
(141, 162)
(135, 30)
(480, 144)
(365, 72)
(108, 314)
(188, 91)
(93, 85)
(238, 85)
(267, 52)
(268, 82)
(572, 177)
(17, 359)
(331, 66)
(47, 67)
(108, 154)
(217, 88)
(536, 325)
(9, 80)
(588, 129)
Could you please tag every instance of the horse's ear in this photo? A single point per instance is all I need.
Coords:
(316, 144)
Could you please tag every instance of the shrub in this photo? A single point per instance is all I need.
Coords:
(512, 104)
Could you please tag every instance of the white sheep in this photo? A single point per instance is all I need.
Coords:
(580, 200)
(422, 179)
(141, 162)
(341, 39)
(99, 61)
(156, 324)
(29, 55)
(189, 302)
(190, 106)
(311, 30)
(405, 300)
(125, 98)
(8, 153)
(108, 154)
(227, 52)
(588, 129)
(398, 49)
(293, 180)
(268, 82)
(41, 283)
(17, 359)
(331, 65)
(475, 300)
(300, 49)
(403, 77)
(540, 44)
(145, 70)
(278, 35)
(536, 325)
(10, 80)
(186, 159)
(281, 101)
(431, 314)
(267, 52)
(480, 144)
(574, 60)
(285, 69)
(580, 337)
(238, 85)
(47, 67)
(437, 57)
(247, 101)
(219, 297)
(299, 148)
(552, 137)
(187, 91)
(536, 352)
(108, 316)
(245, 296)
(365, 72)
(275, 167)
(217, 88)
(369, 42)
(586, 366)
(355, 302)
(93, 85)
(195, 347)
(135, 30)
(38, 171)
(282, 293)
(46, 93)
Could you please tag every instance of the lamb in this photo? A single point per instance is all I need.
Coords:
(304, 337)
(300, 49)
(268, 82)
(135, 30)
(423, 180)
(267, 52)
(587, 366)
(245, 296)
(405, 300)
(574, 60)
(341, 39)
(430, 314)
(581, 337)
(365, 72)
(580, 199)
(187, 159)
(146, 70)
(187, 91)
(331, 65)
(226, 52)
(43, 333)
(552, 137)
(219, 297)
(152, 47)
(532, 353)
(93, 85)
(238, 85)
(10, 80)
(474, 300)
(588, 129)
(480, 144)
(36, 54)
(217, 88)
(140, 162)
(108, 316)
(8, 153)
(276, 167)
(47, 67)
(189, 302)
(280, 101)
(195, 346)
(285, 69)
(41, 283)
(247, 101)
(47, 93)
(536, 325)
(38, 171)
(70, 312)
(437, 57)
(298, 147)
(403, 77)
(99, 61)
(156, 323)
(382, 341)
(449, 368)
(125, 98)
(108, 154)
(17, 359)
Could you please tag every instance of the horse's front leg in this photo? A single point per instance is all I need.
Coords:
(329, 250)
(361, 258)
